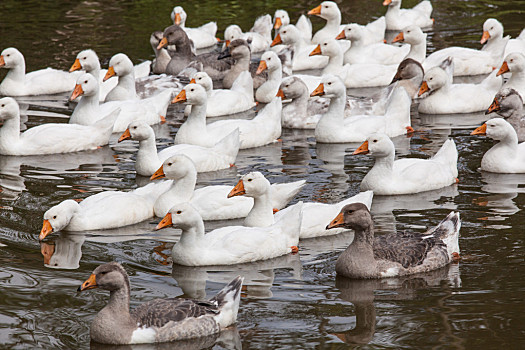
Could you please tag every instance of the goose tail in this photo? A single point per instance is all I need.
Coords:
(448, 156)
(283, 193)
(105, 125)
(228, 300)
(290, 221)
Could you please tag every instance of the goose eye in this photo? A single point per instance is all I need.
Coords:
(325, 44)
(85, 82)
(8, 54)
(250, 180)
(374, 141)
(287, 86)
(191, 89)
(269, 59)
(169, 164)
(491, 28)
(3, 105)
(330, 83)
(85, 58)
(179, 211)
(512, 59)
(408, 31)
(54, 217)
(284, 32)
(103, 273)
(430, 78)
(134, 127)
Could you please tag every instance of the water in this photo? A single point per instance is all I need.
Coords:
(291, 302)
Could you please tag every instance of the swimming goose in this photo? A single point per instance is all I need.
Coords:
(211, 201)
(414, 36)
(506, 156)
(203, 36)
(509, 104)
(515, 64)
(41, 82)
(265, 128)
(88, 61)
(407, 175)
(267, 91)
(397, 18)
(239, 51)
(281, 18)
(221, 156)
(334, 128)
(395, 254)
(493, 36)
(158, 320)
(410, 76)
(440, 96)
(162, 56)
(49, 138)
(259, 37)
(230, 244)
(315, 214)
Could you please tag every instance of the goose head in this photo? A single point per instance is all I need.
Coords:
(288, 35)
(178, 16)
(58, 217)
(409, 69)
(8, 108)
(181, 215)
(292, 88)
(175, 168)
(174, 35)
(377, 145)
(137, 130)
(110, 276)
(352, 32)
(231, 33)
(433, 80)
(11, 58)
(86, 60)
(506, 103)
(280, 18)
(355, 216)
(327, 10)
(253, 185)
(328, 47)
(192, 94)
(119, 65)
(86, 85)
(492, 28)
(239, 49)
(270, 61)
(412, 35)
(331, 87)
(514, 62)
(497, 129)
(203, 79)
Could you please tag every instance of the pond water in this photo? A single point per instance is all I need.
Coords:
(293, 302)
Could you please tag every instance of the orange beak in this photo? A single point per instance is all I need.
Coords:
(363, 149)
(337, 222)
(181, 97)
(399, 38)
(2, 61)
(262, 67)
(493, 107)
(278, 23)
(126, 135)
(315, 11)
(192, 81)
(77, 92)
(46, 229)
(238, 190)
(484, 37)
(163, 43)
(280, 94)
(110, 73)
(165, 222)
(227, 43)
(177, 18)
(387, 2)
(341, 35)
(482, 130)
(90, 283)
(319, 91)
(276, 41)
(504, 69)
(159, 174)
(316, 51)
(424, 88)
(76, 66)
(47, 251)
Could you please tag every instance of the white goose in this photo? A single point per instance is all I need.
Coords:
(221, 156)
(407, 175)
(281, 18)
(231, 244)
(203, 36)
(41, 82)
(259, 37)
(515, 64)
(414, 36)
(265, 128)
(211, 201)
(267, 91)
(493, 36)
(397, 18)
(49, 138)
(315, 215)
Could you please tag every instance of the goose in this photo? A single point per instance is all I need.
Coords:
(515, 64)
(507, 155)
(239, 51)
(162, 55)
(410, 76)
(259, 36)
(414, 36)
(267, 91)
(328, 10)
(104, 210)
(281, 18)
(265, 128)
(211, 201)
(41, 82)
(221, 156)
(397, 18)
(230, 244)
(394, 254)
(203, 36)
(440, 96)
(509, 104)
(51, 137)
(408, 175)
(88, 110)
(493, 36)
(238, 98)
(158, 320)
(315, 214)
(334, 128)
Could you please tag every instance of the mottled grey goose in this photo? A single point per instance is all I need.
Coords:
(508, 104)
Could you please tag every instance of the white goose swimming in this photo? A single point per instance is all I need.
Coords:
(414, 36)
(397, 18)
(493, 36)
(267, 91)
(281, 18)
(203, 36)
(515, 64)
(259, 37)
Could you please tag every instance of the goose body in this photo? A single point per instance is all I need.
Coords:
(203, 36)
(398, 18)
(394, 254)
(158, 320)
(509, 104)
(407, 175)
(259, 36)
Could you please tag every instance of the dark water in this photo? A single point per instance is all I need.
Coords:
(294, 302)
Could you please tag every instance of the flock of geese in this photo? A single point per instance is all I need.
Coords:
(128, 99)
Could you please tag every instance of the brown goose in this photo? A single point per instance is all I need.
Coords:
(395, 254)
(159, 320)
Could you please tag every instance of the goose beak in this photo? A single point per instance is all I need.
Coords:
(238, 190)
(280, 94)
(504, 69)
(76, 66)
(262, 67)
(341, 35)
(319, 91)
(227, 43)
(177, 19)
(399, 38)
(278, 23)
(481, 130)
(47, 251)
(424, 88)
(484, 37)
(2, 61)
(316, 51)
(339, 221)
(159, 174)
(363, 149)
(493, 107)
(163, 43)
(181, 97)
(387, 2)
(77, 92)
(315, 11)
(90, 283)
(192, 81)
(46, 229)
(110, 73)
(276, 41)
(126, 135)
(165, 222)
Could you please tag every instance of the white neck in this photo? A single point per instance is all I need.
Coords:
(17, 74)
(261, 214)
(127, 82)
(147, 157)
(9, 134)
(180, 191)
(86, 111)
(191, 235)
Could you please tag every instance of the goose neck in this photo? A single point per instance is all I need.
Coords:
(127, 82)
(192, 234)
(261, 213)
